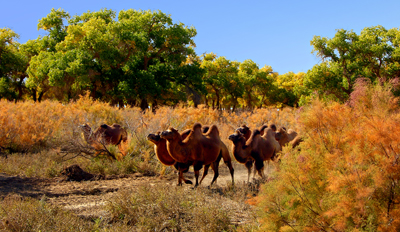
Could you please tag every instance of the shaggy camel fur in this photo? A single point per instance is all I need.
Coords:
(106, 135)
(258, 148)
(160, 148)
(284, 137)
(201, 149)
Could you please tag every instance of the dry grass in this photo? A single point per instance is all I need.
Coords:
(19, 214)
(160, 207)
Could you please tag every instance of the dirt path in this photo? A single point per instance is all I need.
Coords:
(87, 198)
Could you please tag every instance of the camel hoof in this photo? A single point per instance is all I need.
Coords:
(188, 182)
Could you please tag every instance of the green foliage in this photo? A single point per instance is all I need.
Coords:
(347, 56)
(12, 66)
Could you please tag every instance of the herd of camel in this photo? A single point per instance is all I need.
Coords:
(202, 146)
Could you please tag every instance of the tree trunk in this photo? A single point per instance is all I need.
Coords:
(144, 105)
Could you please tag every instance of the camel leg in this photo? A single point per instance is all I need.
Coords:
(216, 172)
(182, 168)
(197, 166)
(260, 167)
(180, 178)
(249, 165)
(231, 170)
(205, 172)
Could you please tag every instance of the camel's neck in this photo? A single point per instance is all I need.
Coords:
(163, 154)
(176, 150)
(241, 152)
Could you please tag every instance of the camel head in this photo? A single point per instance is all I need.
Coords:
(154, 138)
(280, 134)
(86, 128)
(236, 137)
(243, 129)
(170, 134)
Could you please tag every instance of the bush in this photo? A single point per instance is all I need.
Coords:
(346, 174)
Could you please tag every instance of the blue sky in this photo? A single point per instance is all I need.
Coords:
(274, 33)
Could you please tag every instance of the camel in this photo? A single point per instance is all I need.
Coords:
(296, 141)
(258, 148)
(106, 135)
(201, 149)
(284, 136)
(245, 130)
(160, 148)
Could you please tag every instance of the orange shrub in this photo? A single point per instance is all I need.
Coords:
(346, 175)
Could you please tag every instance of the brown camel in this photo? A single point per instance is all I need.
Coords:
(160, 148)
(258, 148)
(106, 135)
(284, 136)
(225, 156)
(201, 149)
(245, 130)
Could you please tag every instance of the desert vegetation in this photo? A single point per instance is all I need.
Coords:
(337, 167)
(329, 182)
(62, 143)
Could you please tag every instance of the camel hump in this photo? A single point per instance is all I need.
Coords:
(253, 136)
(263, 128)
(115, 125)
(197, 126)
(270, 133)
(255, 132)
(213, 131)
(185, 133)
(105, 126)
(272, 126)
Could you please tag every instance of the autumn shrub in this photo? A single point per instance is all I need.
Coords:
(345, 176)
(18, 214)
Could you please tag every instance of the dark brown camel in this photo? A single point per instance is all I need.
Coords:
(160, 148)
(246, 132)
(106, 135)
(201, 149)
(258, 148)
